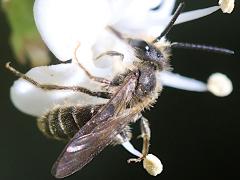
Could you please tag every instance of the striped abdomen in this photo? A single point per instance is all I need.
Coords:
(63, 122)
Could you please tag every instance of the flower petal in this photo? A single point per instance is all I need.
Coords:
(166, 8)
(64, 23)
(152, 24)
(196, 14)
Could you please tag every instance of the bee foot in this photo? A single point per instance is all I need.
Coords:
(136, 160)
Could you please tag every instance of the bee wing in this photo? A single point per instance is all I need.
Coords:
(99, 131)
(82, 149)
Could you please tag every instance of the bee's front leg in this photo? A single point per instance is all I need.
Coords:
(110, 53)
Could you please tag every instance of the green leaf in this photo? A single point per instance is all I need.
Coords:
(25, 39)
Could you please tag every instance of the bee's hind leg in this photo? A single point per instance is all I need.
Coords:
(145, 134)
(101, 94)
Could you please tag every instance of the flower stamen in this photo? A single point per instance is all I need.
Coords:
(150, 163)
(226, 6)
(219, 84)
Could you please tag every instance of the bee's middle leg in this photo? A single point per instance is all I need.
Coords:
(92, 77)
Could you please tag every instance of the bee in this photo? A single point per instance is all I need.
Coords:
(91, 128)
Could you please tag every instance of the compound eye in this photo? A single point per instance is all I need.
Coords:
(159, 55)
(140, 44)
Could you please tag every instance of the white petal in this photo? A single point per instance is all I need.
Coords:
(139, 18)
(63, 23)
(34, 101)
(157, 24)
(118, 8)
(180, 82)
(196, 14)
(125, 9)
(152, 24)
(166, 8)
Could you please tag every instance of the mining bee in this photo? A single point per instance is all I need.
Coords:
(91, 128)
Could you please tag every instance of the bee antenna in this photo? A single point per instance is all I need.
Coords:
(202, 47)
(171, 23)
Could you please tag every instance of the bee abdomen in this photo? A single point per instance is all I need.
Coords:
(63, 122)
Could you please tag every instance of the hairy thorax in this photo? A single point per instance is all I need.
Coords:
(148, 88)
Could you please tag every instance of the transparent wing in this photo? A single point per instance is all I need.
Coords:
(82, 149)
(99, 131)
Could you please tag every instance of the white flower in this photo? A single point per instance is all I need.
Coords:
(65, 23)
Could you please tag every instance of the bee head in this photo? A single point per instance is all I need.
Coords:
(148, 53)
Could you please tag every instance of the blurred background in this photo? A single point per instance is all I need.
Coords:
(196, 135)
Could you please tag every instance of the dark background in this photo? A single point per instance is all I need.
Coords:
(196, 135)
